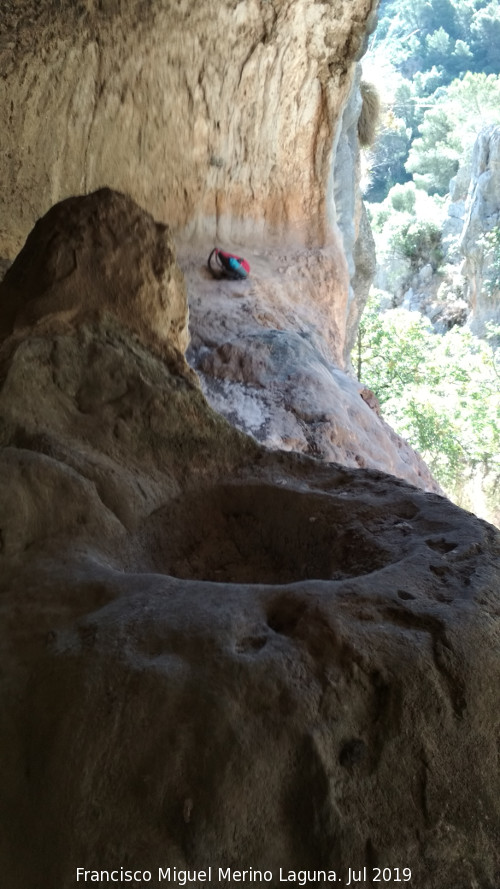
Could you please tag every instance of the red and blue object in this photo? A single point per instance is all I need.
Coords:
(227, 265)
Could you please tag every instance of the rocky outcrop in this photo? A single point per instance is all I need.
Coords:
(350, 212)
(213, 654)
(265, 350)
(236, 123)
(365, 266)
(470, 234)
(481, 219)
(465, 289)
(88, 258)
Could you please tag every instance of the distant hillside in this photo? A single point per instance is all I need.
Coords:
(420, 53)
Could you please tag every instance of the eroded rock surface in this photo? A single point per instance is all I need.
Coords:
(87, 258)
(269, 352)
(482, 218)
(220, 117)
(235, 122)
(215, 654)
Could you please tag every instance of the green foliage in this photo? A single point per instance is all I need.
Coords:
(404, 106)
(439, 61)
(450, 127)
(425, 84)
(490, 242)
(460, 36)
(378, 215)
(434, 157)
(403, 198)
(387, 166)
(419, 240)
(435, 57)
(461, 57)
(438, 47)
(471, 103)
(438, 64)
(439, 392)
(485, 37)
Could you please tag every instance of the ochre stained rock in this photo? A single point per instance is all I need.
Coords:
(218, 655)
(220, 117)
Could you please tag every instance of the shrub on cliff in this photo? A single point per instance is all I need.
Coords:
(450, 127)
(420, 242)
(490, 243)
(439, 392)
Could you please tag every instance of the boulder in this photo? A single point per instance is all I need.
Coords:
(94, 257)
(215, 655)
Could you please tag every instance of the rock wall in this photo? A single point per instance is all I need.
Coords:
(351, 217)
(482, 216)
(234, 122)
(220, 117)
(100, 254)
(213, 654)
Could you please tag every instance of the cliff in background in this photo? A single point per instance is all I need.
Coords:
(482, 218)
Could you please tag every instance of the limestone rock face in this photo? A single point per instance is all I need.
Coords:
(218, 655)
(351, 217)
(235, 122)
(365, 266)
(482, 215)
(219, 117)
(269, 352)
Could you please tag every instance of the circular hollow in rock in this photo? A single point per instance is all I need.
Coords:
(262, 534)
